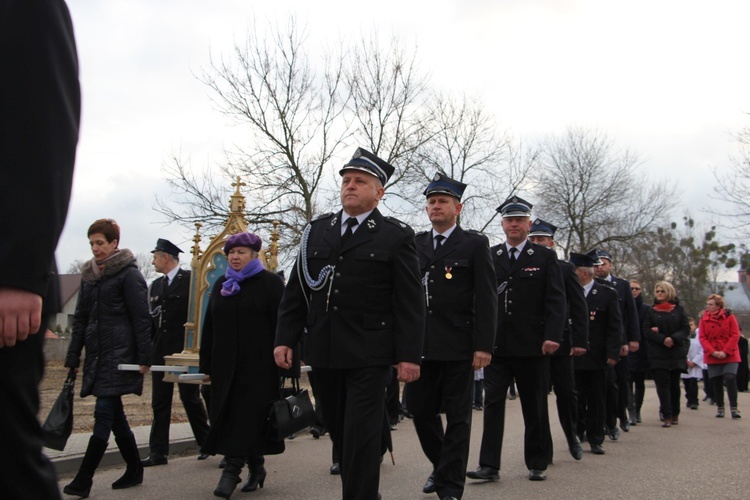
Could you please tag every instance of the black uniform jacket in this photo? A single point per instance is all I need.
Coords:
(372, 313)
(576, 332)
(531, 307)
(460, 295)
(605, 328)
(630, 322)
(169, 310)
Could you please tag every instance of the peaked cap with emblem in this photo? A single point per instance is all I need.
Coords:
(367, 162)
(596, 255)
(166, 246)
(542, 228)
(603, 254)
(442, 184)
(515, 206)
(582, 259)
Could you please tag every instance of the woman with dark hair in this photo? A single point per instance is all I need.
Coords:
(719, 336)
(237, 357)
(638, 360)
(666, 329)
(112, 321)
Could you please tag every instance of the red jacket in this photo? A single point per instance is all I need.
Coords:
(720, 333)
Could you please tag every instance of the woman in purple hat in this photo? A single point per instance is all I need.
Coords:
(237, 357)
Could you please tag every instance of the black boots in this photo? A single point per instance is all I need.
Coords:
(257, 476)
(230, 476)
(134, 472)
(81, 485)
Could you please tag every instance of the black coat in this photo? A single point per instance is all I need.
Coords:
(670, 324)
(113, 323)
(605, 329)
(628, 311)
(576, 333)
(375, 314)
(462, 309)
(169, 309)
(531, 300)
(237, 352)
(638, 361)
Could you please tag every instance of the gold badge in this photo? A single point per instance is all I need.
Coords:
(448, 276)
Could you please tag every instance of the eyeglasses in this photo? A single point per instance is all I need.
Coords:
(659, 291)
(635, 289)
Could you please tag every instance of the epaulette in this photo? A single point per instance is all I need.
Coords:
(324, 216)
(606, 283)
(474, 232)
(423, 232)
(404, 226)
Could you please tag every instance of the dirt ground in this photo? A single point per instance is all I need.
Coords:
(137, 408)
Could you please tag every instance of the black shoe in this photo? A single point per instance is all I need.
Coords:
(720, 412)
(154, 459)
(638, 416)
(735, 413)
(335, 469)
(537, 475)
(203, 456)
(625, 425)
(134, 472)
(484, 473)
(448, 498)
(317, 431)
(429, 485)
(576, 450)
(597, 449)
(693, 406)
(256, 478)
(223, 463)
(614, 433)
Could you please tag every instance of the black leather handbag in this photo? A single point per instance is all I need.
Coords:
(59, 424)
(291, 413)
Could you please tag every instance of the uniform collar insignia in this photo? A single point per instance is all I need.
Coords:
(593, 291)
(500, 251)
(333, 222)
(530, 251)
(371, 223)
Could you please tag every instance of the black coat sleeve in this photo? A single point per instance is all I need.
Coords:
(39, 117)
(485, 299)
(578, 310)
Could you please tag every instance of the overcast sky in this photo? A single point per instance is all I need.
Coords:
(667, 79)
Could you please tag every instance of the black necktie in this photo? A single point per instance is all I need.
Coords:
(350, 223)
(512, 256)
(439, 241)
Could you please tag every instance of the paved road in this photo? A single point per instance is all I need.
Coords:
(702, 458)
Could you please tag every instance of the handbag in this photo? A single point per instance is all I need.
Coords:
(290, 414)
(59, 424)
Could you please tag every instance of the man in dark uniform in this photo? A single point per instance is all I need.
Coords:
(40, 104)
(459, 291)
(356, 292)
(575, 342)
(168, 300)
(618, 388)
(531, 319)
(605, 337)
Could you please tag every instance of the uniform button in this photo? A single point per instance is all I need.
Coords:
(430, 297)
(341, 257)
(510, 313)
(372, 255)
(429, 312)
(432, 281)
(382, 323)
(336, 291)
(338, 275)
(510, 302)
(335, 308)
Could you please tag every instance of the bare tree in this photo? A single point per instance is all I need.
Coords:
(295, 121)
(594, 193)
(143, 261)
(733, 186)
(76, 266)
(465, 144)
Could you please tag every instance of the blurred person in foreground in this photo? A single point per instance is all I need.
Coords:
(237, 357)
(666, 329)
(113, 323)
(719, 334)
(40, 105)
(638, 360)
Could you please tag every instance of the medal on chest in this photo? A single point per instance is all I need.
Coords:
(448, 274)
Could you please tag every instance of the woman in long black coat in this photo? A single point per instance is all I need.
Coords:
(666, 329)
(237, 357)
(112, 322)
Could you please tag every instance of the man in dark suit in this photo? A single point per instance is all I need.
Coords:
(618, 388)
(531, 319)
(169, 298)
(575, 342)
(605, 338)
(355, 291)
(40, 103)
(459, 292)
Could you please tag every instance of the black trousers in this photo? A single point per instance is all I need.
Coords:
(25, 472)
(668, 389)
(691, 390)
(617, 393)
(531, 374)
(354, 403)
(563, 383)
(444, 386)
(161, 403)
(638, 386)
(592, 402)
